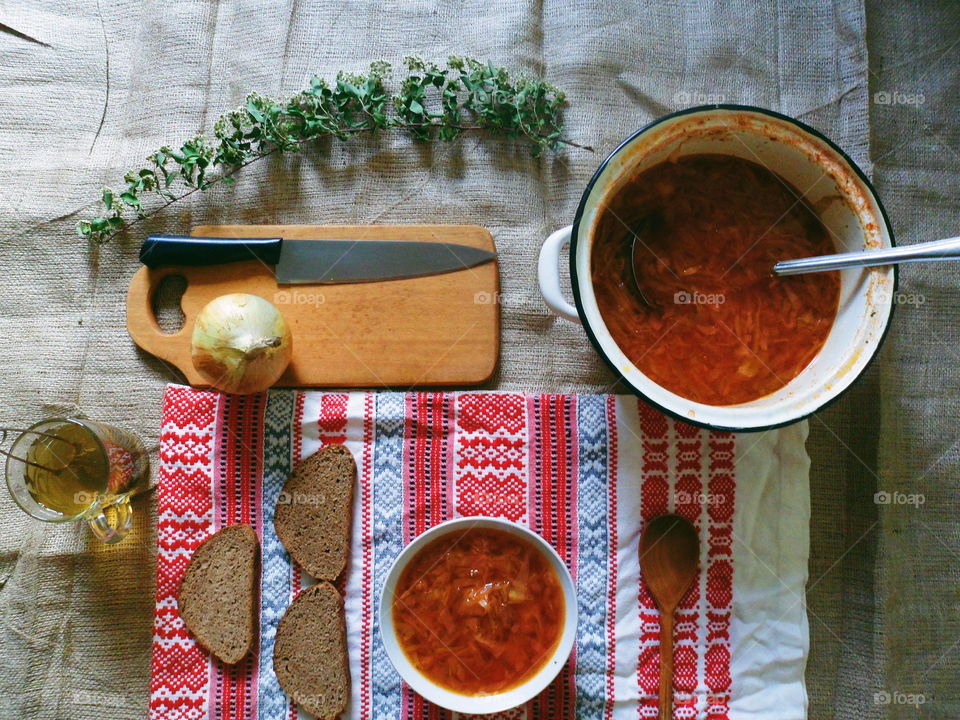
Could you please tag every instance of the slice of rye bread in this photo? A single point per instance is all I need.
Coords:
(315, 509)
(218, 595)
(310, 651)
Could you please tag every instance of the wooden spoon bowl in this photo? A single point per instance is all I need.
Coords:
(669, 552)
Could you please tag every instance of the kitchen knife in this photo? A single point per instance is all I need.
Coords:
(317, 262)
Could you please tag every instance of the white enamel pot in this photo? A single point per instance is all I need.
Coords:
(830, 182)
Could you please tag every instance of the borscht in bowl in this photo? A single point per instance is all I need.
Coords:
(478, 614)
(698, 206)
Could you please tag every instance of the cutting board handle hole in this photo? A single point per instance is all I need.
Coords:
(166, 303)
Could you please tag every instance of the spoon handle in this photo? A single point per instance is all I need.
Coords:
(919, 252)
(666, 665)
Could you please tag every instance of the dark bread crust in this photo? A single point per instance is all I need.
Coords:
(310, 652)
(315, 510)
(219, 594)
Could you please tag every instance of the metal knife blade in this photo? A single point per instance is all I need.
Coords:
(355, 261)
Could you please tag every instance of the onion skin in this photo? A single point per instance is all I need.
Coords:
(241, 344)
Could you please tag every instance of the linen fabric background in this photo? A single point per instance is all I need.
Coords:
(89, 87)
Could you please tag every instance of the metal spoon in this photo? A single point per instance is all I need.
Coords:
(669, 551)
(920, 252)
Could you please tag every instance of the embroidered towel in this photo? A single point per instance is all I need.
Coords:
(584, 471)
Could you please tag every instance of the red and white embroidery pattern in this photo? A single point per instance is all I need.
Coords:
(719, 574)
(179, 682)
(674, 479)
(490, 462)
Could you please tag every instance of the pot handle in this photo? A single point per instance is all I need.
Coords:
(548, 275)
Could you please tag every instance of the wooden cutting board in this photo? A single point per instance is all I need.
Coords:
(426, 331)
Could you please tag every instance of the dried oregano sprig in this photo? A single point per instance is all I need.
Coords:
(431, 104)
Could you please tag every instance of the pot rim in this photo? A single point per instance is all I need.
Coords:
(575, 278)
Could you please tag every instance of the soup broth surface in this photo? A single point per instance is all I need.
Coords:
(724, 329)
(479, 612)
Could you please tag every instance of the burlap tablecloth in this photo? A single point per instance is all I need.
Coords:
(88, 88)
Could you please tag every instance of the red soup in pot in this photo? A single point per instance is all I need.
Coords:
(478, 612)
(723, 329)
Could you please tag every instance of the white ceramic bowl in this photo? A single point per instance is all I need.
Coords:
(485, 703)
(831, 183)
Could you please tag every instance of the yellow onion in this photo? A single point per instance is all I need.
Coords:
(241, 343)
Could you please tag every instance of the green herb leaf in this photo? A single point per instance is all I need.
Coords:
(430, 103)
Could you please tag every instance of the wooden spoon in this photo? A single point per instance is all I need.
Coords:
(669, 550)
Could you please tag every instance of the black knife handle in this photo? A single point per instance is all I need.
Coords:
(159, 250)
